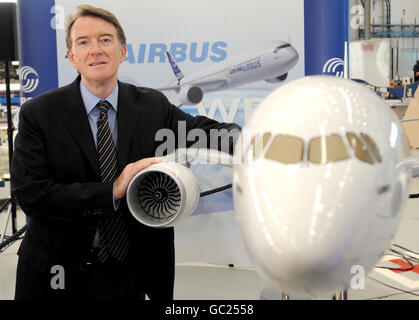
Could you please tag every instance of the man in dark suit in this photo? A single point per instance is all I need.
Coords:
(60, 176)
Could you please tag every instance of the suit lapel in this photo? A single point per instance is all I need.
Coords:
(76, 121)
(128, 112)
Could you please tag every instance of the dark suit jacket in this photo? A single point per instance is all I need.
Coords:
(415, 70)
(56, 180)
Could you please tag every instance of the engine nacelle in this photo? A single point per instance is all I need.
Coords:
(190, 95)
(163, 194)
(278, 79)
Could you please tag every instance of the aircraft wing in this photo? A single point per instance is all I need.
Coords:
(413, 161)
(209, 84)
(169, 88)
(205, 85)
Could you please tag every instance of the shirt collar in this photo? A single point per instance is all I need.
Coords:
(90, 100)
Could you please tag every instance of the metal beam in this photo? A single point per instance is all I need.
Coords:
(367, 19)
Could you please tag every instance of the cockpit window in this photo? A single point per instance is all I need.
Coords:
(373, 146)
(361, 152)
(258, 144)
(321, 150)
(251, 144)
(282, 46)
(286, 149)
(327, 149)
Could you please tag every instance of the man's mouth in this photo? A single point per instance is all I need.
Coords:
(93, 64)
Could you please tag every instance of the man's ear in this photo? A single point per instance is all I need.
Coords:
(123, 52)
(70, 57)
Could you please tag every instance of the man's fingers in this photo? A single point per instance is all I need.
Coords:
(121, 184)
(146, 162)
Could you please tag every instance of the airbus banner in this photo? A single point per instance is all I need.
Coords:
(214, 58)
(241, 59)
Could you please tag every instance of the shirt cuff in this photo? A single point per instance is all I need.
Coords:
(115, 202)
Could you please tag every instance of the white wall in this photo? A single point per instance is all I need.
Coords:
(401, 10)
(404, 10)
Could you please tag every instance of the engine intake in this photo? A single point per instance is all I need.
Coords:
(190, 95)
(163, 194)
(278, 79)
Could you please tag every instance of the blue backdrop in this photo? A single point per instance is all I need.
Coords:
(37, 48)
(326, 28)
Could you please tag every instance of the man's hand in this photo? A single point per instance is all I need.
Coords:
(121, 184)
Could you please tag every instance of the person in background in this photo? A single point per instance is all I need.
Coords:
(416, 71)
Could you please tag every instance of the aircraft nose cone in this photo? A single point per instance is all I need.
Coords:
(288, 57)
(314, 212)
(292, 55)
(303, 238)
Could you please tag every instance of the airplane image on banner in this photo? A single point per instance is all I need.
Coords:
(271, 63)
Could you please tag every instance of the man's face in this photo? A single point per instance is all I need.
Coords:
(96, 51)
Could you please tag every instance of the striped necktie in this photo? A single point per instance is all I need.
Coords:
(113, 230)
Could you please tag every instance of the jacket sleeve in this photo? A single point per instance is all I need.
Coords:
(34, 187)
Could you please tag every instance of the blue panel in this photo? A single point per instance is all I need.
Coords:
(15, 101)
(37, 47)
(326, 28)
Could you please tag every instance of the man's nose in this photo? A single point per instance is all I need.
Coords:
(95, 48)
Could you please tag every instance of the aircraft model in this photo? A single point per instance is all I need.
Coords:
(321, 174)
(321, 187)
(270, 62)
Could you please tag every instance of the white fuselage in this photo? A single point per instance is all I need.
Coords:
(308, 225)
(259, 64)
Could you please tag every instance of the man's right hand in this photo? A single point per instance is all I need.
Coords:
(121, 184)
